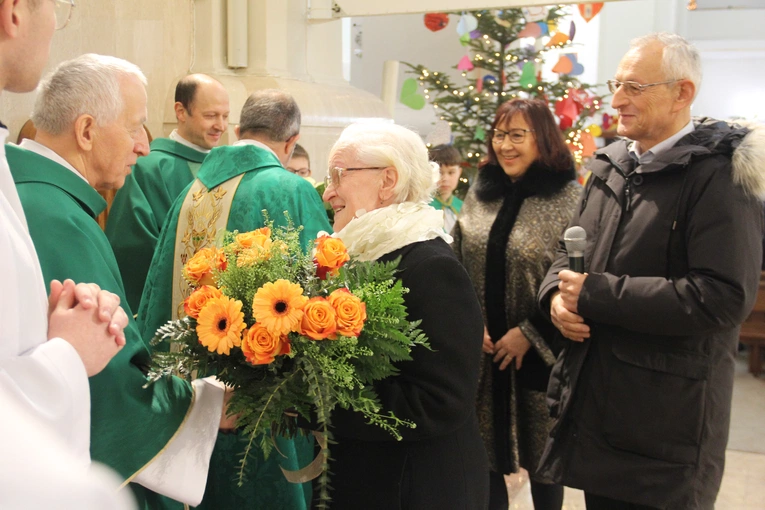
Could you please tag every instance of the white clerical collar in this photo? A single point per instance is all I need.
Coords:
(250, 141)
(174, 136)
(45, 152)
(646, 157)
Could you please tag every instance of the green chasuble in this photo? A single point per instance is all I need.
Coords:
(129, 424)
(265, 185)
(141, 205)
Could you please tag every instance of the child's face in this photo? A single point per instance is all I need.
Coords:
(450, 177)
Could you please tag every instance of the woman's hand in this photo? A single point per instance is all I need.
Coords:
(488, 345)
(513, 345)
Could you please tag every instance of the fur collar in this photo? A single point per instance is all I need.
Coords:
(493, 184)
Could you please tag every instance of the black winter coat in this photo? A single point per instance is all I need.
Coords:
(442, 463)
(673, 253)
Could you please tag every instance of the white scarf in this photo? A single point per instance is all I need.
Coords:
(372, 234)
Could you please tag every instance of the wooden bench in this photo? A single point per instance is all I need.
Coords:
(753, 330)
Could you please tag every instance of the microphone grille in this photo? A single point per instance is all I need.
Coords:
(575, 239)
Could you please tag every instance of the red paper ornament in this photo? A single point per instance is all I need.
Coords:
(436, 21)
(589, 11)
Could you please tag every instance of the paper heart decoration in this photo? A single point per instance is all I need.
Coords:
(564, 65)
(588, 144)
(480, 134)
(436, 21)
(465, 39)
(409, 96)
(566, 109)
(528, 75)
(465, 64)
(558, 38)
(606, 121)
(466, 24)
(573, 68)
(594, 130)
(535, 13)
(589, 11)
(571, 31)
(530, 30)
(475, 34)
(441, 134)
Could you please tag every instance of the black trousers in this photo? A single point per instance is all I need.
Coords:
(602, 503)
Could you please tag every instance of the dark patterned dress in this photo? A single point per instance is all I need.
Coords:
(530, 248)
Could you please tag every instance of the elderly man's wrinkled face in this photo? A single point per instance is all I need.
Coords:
(353, 186)
(646, 117)
(119, 143)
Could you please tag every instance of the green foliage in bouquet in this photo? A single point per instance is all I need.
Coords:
(294, 334)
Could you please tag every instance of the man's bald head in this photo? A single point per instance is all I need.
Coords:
(202, 109)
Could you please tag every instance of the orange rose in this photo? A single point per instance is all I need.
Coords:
(261, 347)
(257, 237)
(199, 298)
(330, 255)
(351, 312)
(198, 270)
(319, 319)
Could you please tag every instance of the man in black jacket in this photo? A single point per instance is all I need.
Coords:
(641, 395)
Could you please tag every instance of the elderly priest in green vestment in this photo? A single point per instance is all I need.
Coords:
(235, 184)
(140, 206)
(89, 115)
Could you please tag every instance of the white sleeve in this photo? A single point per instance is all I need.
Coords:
(40, 471)
(179, 471)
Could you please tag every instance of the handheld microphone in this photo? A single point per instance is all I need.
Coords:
(576, 240)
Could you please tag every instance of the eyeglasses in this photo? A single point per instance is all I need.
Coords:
(516, 136)
(633, 88)
(63, 11)
(302, 172)
(336, 173)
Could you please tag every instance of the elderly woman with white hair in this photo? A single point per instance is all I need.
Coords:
(379, 185)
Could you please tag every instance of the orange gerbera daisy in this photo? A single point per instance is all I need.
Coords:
(220, 324)
(278, 306)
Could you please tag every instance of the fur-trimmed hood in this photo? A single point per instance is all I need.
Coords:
(743, 143)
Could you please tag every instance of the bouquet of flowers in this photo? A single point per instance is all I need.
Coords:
(293, 333)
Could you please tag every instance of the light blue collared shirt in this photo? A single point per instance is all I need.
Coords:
(651, 154)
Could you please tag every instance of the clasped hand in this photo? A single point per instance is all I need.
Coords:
(564, 306)
(512, 346)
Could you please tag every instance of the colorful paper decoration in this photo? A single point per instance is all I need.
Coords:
(589, 11)
(567, 64)
(409, 96)
(594, 130)
(466, 24)
(571, 31)
(558, 38)
(588, 144)
(535, 13)
(465, 64)
(480, 134)
(441, 134)
(436, 21)
(606, 121)
(535, 30)
(528, 75)
(475, 34)
(465, 39)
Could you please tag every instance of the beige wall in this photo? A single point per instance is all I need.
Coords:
(155, 35)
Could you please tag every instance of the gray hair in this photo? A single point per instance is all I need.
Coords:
(680, 59)
(270, 112)
(88, 84)
(384, 144)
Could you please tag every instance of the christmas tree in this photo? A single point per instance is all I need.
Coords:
(498, 69)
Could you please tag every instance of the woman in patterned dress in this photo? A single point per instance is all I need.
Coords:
(511, 220)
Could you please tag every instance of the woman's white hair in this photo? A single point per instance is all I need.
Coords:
(88, 84)
(680, 59)
(385, 144)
